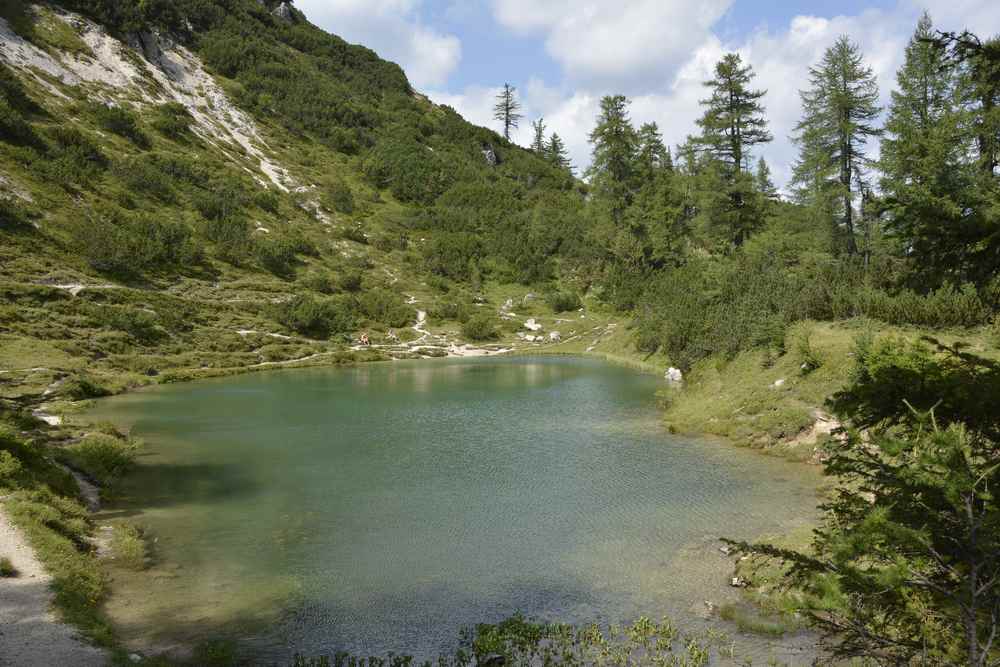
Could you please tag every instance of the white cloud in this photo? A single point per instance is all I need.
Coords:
(614, 43)
(394, 30)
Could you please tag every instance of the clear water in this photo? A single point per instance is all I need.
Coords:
(384, 507)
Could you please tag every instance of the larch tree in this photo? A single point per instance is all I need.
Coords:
(507, 109)
(614, 142)
(839, 115)
(538, 136)
(732, 124)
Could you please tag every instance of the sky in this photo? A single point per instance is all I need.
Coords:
(564, 55)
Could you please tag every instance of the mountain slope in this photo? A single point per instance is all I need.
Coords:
(204, 186)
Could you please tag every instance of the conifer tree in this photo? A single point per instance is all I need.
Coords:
(839, 109)
(652, 156)
(733, 122)
(613, 166)
(507, 109)
(765, 185)
(925, 174)
(555, 152)
(538, 136)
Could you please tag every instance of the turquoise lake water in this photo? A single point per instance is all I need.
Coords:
(385, 506)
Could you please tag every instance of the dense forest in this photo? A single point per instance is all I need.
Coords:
(139, 243)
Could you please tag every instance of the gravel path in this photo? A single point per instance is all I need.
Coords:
(30, 634)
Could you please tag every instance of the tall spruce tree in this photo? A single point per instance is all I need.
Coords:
(614, 143)
(538, 136)
(925, 172)
(507, 109)
(839, 112)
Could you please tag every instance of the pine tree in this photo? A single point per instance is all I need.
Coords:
(652, 157)
(839, 114)
(538, 136)
(733, 122)
(925, 173)
(556, 153)
(507, 109)
(613, 166)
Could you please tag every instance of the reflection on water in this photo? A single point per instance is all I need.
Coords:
(384, 507)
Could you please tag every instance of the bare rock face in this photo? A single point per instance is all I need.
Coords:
(490, 155)
(284, 12)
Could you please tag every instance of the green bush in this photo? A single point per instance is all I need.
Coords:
(351, 281)
(83, 387)
(233, 239)
(340, 197)
(172, 120)
(319, 318)
(119, 120)
(385, 306)
(277, 255)
(7, 569)
(71, 159)
(104, 458)
(480, 327)
(561, 302)
(451, 255)
(451, 310)
(128, 244)
(412, 171)
(267, 200)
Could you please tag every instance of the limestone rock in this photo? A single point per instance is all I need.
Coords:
(674, 376)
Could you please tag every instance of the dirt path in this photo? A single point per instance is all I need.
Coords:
(30, 634)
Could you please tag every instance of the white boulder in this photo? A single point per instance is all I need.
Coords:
(555, 337)
(674, 376)
(532, 325)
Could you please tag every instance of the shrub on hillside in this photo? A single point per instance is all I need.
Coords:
(412, 171)
(480, 327)
(351, 281)
(128, 244)
(385, 306)
(121, 121)
(172, 120)
(451, 254)
(561, 302)
(71, 159)
(318, 318)
(340, 196)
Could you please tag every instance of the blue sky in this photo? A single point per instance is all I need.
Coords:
(563, 55)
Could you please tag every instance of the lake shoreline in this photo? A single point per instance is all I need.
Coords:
(633, 362)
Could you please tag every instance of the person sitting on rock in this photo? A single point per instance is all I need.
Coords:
(364, 339)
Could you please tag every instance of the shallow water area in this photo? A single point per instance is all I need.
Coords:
(384, 507)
